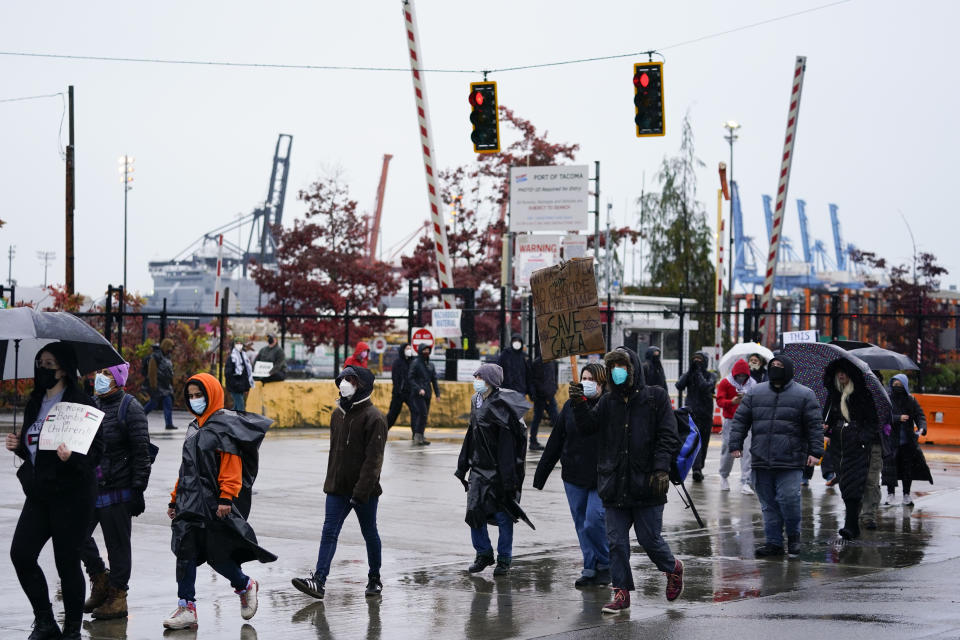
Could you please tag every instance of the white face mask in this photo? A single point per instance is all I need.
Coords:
(517, 345)
(590, 388)
(346, 389)
(408, 352)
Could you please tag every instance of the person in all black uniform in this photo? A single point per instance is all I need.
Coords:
(401, 391)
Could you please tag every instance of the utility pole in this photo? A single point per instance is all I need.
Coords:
(70, 201)
(126, 169)
(731, 126)
(46, 257)
(11, 252)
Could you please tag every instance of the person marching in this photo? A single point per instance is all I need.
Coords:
(493, 451)
(422, 377)
(653, 374)
(122, 477)
(908, 418)
(543, 390)
(637, 439)
(699, 385)
(358, 436)
(577, 455)
(60, 488)
(211, 500)
(850, 422)
(758, 367)
(238, 376)
(360, 357)
(400, 395)
(730, 393)
(159, 375)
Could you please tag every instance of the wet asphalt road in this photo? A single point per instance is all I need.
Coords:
(902, 581)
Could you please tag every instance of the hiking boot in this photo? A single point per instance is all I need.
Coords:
(697, 475)
(71, 631)
(310, 586)
(675, 582)
(44, 626)
(503, 566)
(184, 617)
(620, 602)
(535, 446)
(793, 546)
(585, 581)
(768, 551)
(170, 427)
(481, 562)
(724, 484)
(248, 599)
(99, 587)
(114, 606)
(907, 500)
(602, 577)
(374, 586)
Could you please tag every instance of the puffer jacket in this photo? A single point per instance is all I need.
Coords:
(786, 424)
(358, 436)
(126, 458)
(636, 435)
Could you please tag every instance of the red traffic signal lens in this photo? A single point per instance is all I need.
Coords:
(644, 79)
(476, 98)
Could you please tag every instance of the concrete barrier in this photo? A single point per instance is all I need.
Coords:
(943, 418)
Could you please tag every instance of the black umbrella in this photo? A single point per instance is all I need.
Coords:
(23, 331)
(880, 358)
(850, 345)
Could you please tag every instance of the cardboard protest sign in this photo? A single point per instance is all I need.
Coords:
(568, 313)
(74, 425)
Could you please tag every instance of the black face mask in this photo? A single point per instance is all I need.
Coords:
(777, 375)
(899, 391)
(45, 378)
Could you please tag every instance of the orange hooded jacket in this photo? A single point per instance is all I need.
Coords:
(230, 478)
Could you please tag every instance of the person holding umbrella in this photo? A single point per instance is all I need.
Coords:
(60, 488)
(493, 452)
(908, 418)
(850, 424)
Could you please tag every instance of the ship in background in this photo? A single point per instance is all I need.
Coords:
(190, 280)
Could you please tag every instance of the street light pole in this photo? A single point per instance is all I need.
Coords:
(126, 169)
(731, 126)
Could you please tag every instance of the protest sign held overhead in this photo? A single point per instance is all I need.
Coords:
(567, 310)
(72, 424)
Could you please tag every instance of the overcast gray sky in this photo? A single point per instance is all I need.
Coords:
(877, 128)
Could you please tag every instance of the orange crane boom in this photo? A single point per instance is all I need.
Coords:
(375, 227)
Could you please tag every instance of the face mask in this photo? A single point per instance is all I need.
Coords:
(516, 345)
(364, 354)
(655, 356)
(741, 379)
(777, 375)
(619, 375)
(590, 388)
(754, 366)
(198, 405)
(408, 353)
(479, 386)
(101, 384)
(45, 378)
(899, 391)
(346, 389)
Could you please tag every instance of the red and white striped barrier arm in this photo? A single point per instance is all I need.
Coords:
(793, 114)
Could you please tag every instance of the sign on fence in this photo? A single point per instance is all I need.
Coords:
(568, 316)
(421, 336)
(74, 425)
(574, 246)
(800, 336)
(445, 323)
(535, 252)
(548, 198)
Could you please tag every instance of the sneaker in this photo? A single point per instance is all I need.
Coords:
(503, 566)
(535, 446)
(99, 589)
(481, 562)
(768, 551)
(170, 427)
(374, 586)
(675, 582)
(832, 480)
(620, 602)
(310, 586)
(793, 546)
(889, 500)
(907, 500)
(185, 617)
(249, 600)
(746, 490)
(697, 475)
(724, 484)
(585, 581)
(804, 483)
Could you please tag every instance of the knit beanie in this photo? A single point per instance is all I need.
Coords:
(120, 373)
(490, 373)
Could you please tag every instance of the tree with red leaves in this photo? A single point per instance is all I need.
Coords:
(322, 268)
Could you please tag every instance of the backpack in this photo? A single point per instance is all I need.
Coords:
(689, 448)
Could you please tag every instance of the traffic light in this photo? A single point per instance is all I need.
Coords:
(648, 98)
(484, 117)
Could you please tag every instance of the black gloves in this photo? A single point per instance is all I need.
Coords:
(136, 505)
(576, 392)
(659, 482)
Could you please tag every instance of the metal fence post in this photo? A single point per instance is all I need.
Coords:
(163, 320)
(283, 325)
(503, 317)
(409, 311)
(122, 316)
(681, 357)
(108, 315)
(920, 341)
(609, 325)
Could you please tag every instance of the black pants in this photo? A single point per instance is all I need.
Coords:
(419, 410)
(904, 463)
(114, 522)
(541, 403)
(396, 406)
(66, 519)
(705, 426)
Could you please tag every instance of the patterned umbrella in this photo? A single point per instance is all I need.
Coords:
(811, 359)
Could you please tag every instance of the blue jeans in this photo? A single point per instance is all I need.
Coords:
(166, 401)
(589, 521)
(239, 402)
(647, 523)
(481, 539)
(337, 510)
(779, 493)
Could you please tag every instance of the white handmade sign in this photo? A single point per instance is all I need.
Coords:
(445, 323)
(262, 369)
(72, 424)
(790, 337)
